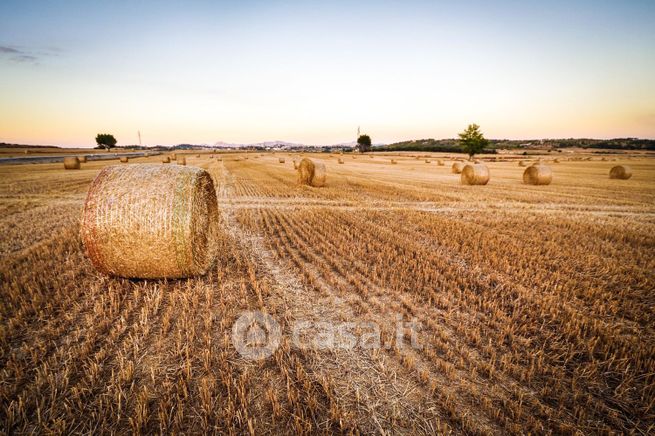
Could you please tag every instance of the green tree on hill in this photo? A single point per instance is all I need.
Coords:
(105, 140)
(472, 140)
(364, 143)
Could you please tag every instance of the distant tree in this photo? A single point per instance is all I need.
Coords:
(472, 140)
(105, 140)
(364, 143)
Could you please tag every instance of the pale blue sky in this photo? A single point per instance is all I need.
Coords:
(311, 72)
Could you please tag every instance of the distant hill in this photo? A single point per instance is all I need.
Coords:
(452, 145)
(425, 145)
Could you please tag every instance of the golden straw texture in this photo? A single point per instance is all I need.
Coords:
(71, 163)
(151, 221)
(622, 172)
(537, 175)
(457, 168)
(475, 174)
(311, 173)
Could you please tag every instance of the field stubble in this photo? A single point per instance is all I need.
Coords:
(536, 304)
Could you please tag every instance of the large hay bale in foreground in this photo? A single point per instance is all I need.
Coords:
(475, 174)
(124, 159)
(71, 163)
(165, 159)
(538, 175)
(622, 172)
(311, 173)
(457, 168)
(151, 221)
(82, 159)
(181, 160)
(281, 160)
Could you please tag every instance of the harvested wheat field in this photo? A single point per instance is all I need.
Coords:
(501, 308)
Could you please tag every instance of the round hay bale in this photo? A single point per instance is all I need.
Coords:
(340, 160)
(311, 173)
(371, 156)
(440, 163)
(522, 163)
(537, 175)
(151, 221)
(427, 160)
(173, 156)
(622, 172)
(124, 159)
(71, 163)
(281, 160)
(165, 159)
(26, 151)
(457, 168)
(181, 160)
(82, 159)
(197, 156)
(393, 162)
(475, 174)
(556, 160)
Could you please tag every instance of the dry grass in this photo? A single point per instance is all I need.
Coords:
(536, 305)
(457, 167)
(538, 175)
(150, 221)
(622, 172)
(71, 163)
(475, 174)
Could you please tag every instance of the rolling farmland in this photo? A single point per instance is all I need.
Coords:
(536, 304)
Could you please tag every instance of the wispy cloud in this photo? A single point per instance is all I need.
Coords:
(10, 50)
(26, 56)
